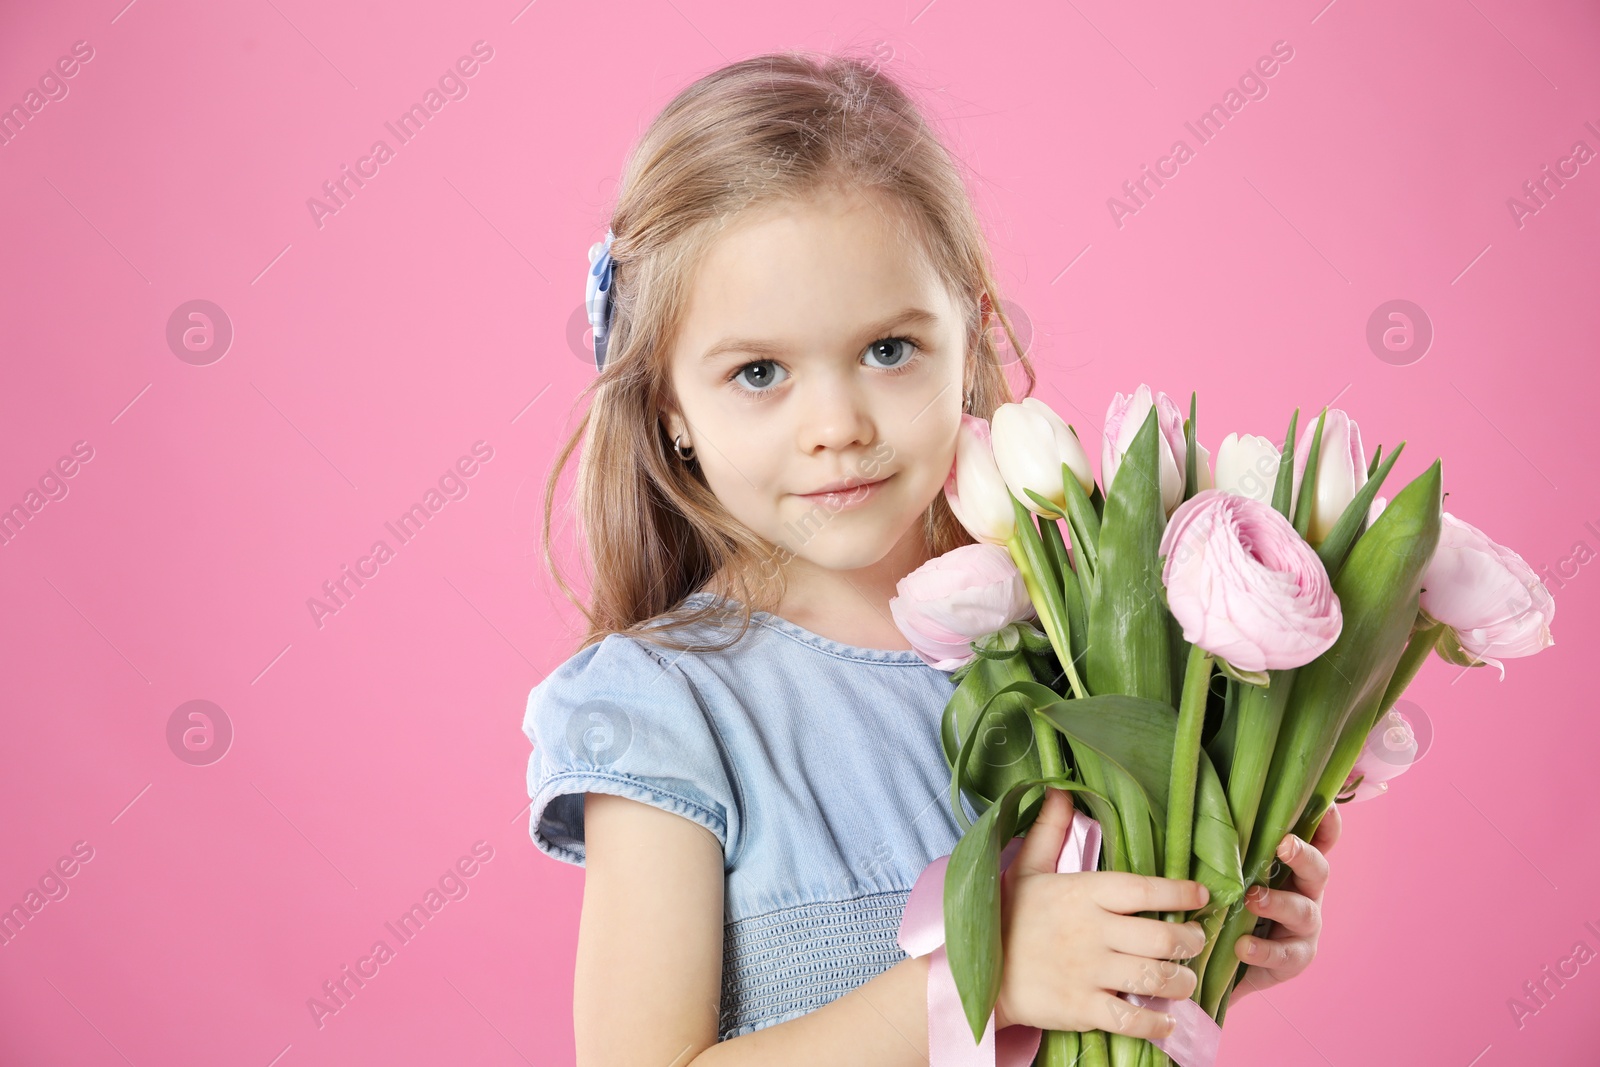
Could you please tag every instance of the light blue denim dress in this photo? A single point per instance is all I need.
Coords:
(816, 764)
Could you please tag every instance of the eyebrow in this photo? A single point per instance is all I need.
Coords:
(911, 316)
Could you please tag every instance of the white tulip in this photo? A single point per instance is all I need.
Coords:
(1247, 464)
(1031, 442)
(1341, 471)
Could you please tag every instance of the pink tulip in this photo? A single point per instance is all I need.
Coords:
(974, 489)
(1490, 598)
(1390, 750)
(1341, 471)
(1123, 419)
(1245, 586)
(955, 599)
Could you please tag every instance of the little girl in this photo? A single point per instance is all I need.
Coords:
(744, 752)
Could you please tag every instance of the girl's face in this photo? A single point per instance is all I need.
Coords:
(820, 349)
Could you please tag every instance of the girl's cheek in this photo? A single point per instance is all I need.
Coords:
(930, 426)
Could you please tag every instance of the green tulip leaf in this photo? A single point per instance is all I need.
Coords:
(1216, 863)
(1336, 546)
(972, 896)
(994, 720)
(1128, 620)
(1047, 506)
(1191, 463)
(1132, 734)
(1308, 481)
(1283, 491)
(1083, 522)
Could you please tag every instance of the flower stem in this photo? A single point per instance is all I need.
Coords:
(1186, 766)
(1059, 1048)
(1027, 551)
(1259, 712)
(1095, 1053)
(1423, 641)
(1347, 750)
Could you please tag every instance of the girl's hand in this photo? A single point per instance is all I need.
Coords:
(1072, 942)
(1296, 909)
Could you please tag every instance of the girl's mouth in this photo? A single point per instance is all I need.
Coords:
(842, 499)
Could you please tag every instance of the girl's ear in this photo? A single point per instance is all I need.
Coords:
(674, 424)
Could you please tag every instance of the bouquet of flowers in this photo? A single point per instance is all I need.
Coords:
(1216, 661)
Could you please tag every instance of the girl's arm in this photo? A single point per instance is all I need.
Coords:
(650, 953)
(649, 971)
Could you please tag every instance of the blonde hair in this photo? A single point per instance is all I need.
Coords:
(771, 128)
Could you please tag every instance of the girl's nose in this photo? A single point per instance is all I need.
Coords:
(833, 415)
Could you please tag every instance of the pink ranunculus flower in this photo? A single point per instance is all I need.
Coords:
(1493, 603)
(955, 599)
(1123, 418)
(1390, 750)
(1245, 586)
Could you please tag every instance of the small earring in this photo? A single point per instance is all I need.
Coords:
(677, 447)
(966, 404)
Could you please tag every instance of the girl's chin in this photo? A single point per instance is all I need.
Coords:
(849, 543)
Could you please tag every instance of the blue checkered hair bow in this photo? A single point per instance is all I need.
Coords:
(598, 297)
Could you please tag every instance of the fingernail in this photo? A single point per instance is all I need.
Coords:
(1249, 946)
(1286, 847)
(1170, 1024)
(1205, 894)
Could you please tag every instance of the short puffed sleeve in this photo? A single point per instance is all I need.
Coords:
(620, 717)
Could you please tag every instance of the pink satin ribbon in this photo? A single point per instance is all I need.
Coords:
(1193, 1042)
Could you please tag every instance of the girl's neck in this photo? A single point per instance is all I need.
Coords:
(850, 606)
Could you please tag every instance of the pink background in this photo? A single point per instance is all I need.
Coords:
(433, 311)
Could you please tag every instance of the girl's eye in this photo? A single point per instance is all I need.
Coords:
(898, 350)
(761, 381)
(759, 376)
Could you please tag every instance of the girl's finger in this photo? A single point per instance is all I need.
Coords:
(1149, 937)
(1282, 958)
(1328, 829)
(1309, 865)
(1123, 1017)
(1298, 914)
(1255, 979)
(1151, 977)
